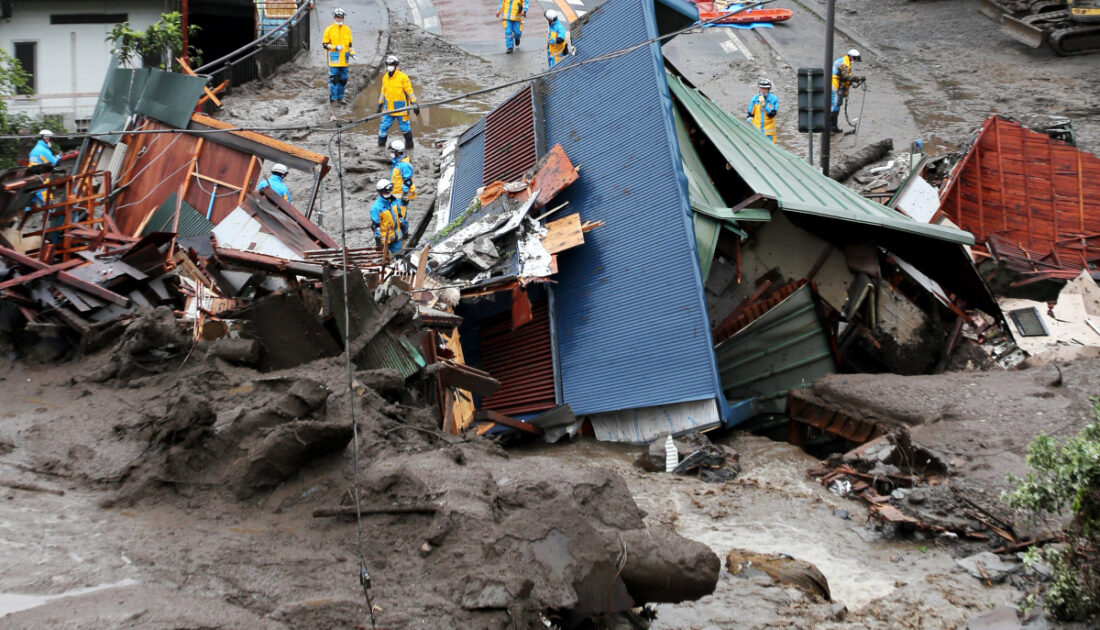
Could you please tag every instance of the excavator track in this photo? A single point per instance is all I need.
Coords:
(1076, 40)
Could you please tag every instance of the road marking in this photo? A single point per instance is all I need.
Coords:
(567, 10)
(729, 47)
(576, 3)
(430, 23)
(737, 42)
(580, 13)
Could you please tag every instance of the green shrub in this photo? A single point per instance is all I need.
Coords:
(1066, 477)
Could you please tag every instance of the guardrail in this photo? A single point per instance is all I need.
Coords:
(277, 44)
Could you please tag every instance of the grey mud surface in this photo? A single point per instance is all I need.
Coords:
(173, 554)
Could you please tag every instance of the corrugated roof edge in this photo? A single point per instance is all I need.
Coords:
(687, 217)
(691, 97)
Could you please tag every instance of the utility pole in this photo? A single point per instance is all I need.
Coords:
(830, 12)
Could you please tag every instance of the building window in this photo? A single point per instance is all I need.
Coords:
(25, 54)
(82, 124)
(89, 18)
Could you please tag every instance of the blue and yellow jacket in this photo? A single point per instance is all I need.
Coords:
(397, 93)
(276, 184)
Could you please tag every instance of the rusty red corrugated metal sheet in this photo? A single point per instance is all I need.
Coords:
(805, 408)
(754, 311)
(1039, 196)
(521, 360)
(510, 138)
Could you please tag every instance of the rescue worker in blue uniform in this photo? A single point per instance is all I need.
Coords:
(842, 81)
(402, 175)
(514, 11)
(42, 153)
(275, 182)
(396, 93)
(556, 38)
(388, 217)
(763, 109)
(337, 41)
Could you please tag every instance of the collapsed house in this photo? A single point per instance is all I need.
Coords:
(1032, 203)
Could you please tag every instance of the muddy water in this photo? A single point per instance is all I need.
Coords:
(772, 507)
(434, 122)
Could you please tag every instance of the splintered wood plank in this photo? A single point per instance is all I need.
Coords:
(563, 234)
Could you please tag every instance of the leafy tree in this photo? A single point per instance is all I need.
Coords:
(1060, 477)
(158, 46)
(12, 80)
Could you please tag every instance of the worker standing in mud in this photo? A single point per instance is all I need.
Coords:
(556, 39)
(275, 182)
(337, 41)
(842, 82)
(764, 109)
(397, 93)
(402, 175)
(514, 11)
(388, 217)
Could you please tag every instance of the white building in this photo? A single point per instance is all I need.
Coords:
(62, 44)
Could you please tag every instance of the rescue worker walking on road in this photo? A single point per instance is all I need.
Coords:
(514, 11)
(337, 41)
(842, 82)
(557, 38)
(397, 93)
(275, 182)
(763, 109)
(388, 217)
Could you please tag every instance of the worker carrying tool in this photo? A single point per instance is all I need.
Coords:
(337, 41)
(557, 38)
(397, 93)
(275, 181)
(763, 109)
(402, 175)
(843, 80)
(388, 217)
(514, 11)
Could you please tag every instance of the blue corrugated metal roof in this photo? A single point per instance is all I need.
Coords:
(632, 324)
(469, 165)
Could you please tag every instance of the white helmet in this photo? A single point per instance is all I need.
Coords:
(551, 15)
(391, 60)
(338, 12)
(45, 133)
(280, 170)
(854, 54)
(384, 186)
(764, 83)
(397, 146)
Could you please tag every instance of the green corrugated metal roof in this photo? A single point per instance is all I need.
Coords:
(785, 349)
(703, 195)
(390, 351)
(191, 223)
(792, 183)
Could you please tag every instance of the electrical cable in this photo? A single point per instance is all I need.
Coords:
(357, 122)
(364, 575)
(155, 188)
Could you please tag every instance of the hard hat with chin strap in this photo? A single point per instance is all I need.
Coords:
(764, 83)
(45, 133)
(384, 186)
(391, 60)
(854, 54)
(280, 169)
(551, 15)
(397, 146)
(338, 13)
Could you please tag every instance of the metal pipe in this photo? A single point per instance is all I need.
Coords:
(830, 13)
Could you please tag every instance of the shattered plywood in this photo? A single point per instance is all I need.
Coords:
(563, 234)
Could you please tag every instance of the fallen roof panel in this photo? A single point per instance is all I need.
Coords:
(1025, 189)
(795, 185)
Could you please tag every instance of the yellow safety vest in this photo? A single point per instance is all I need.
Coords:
(337, 35)
(397, 92)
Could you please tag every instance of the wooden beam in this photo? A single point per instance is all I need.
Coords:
(67, 278)
(267, 141)
(499, 418)
(252, 162)
(471, 379)
(209, 95)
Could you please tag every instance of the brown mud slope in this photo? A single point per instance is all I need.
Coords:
(190, 492)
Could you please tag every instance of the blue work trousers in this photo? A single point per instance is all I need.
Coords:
(387, 122)
(337, 81)
(513, 30)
